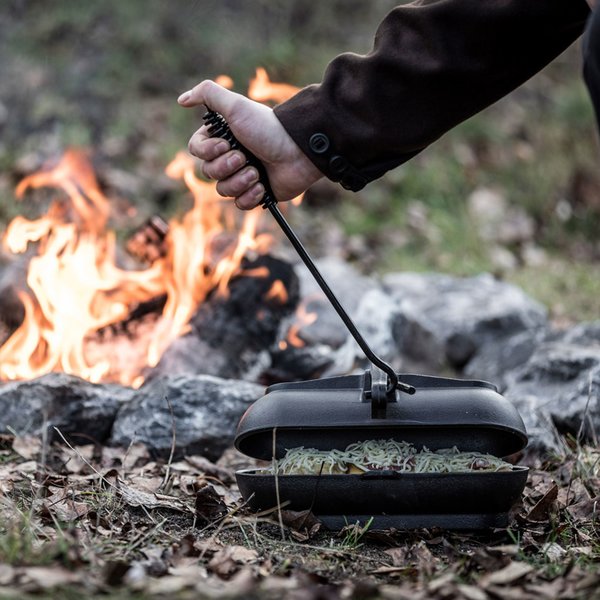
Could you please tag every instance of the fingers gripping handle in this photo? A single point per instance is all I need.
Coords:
(218, 127)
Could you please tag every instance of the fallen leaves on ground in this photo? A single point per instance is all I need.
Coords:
(94, 519)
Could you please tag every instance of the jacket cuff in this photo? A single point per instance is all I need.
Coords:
(302, 119)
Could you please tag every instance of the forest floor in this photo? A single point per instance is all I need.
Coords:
(98, 521)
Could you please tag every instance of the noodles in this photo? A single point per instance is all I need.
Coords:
(377, 455)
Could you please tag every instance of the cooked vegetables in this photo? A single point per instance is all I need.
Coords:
(377, 455)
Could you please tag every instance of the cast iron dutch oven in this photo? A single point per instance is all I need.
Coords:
(431, 412)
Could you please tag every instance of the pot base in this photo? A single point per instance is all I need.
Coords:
(450, 521)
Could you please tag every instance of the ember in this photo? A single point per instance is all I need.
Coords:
(303, 318)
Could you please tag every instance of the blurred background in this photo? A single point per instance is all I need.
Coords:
(514, 191)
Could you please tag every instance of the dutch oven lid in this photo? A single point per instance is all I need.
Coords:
(335, 412)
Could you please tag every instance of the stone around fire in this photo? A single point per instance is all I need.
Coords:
(83, 412)
(444, 320)
(205, 413)
(558, 388)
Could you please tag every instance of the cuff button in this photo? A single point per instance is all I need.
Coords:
(338, 164)
(318, 143)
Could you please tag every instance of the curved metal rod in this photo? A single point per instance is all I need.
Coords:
(218, 127)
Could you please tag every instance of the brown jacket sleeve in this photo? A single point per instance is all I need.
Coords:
(434, 64)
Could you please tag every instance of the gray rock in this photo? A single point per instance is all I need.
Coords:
(374, 317)
(206, 411)
(348, 285)
(346, 282)
(326, 329)
(495, 359)
(298, 364)
(82, 411)
(445, 320)
(559, 386)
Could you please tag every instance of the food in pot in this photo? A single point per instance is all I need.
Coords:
(379, 455)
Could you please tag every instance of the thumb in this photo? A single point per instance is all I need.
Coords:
(213, 96)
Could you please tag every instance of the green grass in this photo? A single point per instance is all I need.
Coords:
(539, 148)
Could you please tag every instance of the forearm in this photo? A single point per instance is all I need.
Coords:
(433, 65)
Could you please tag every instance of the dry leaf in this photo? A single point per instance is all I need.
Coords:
(439, 582)
(590, 580)
(177, 579)
(422, 558)
(127, 458)
(553, 551)
(7, 483)
(581, 550)
(7, 574)
(302, 524)
(45, 578)
(574, 493)
(209, 468)
(405, 592)
(470, 592)
(29, 466)
(77, 459)
(505, 550)
(586, 509)
(61, 505)
(241, 585)
(209, 505)
(549, 590)
(542, 509)
(226, 561)
(509, 574)
(65, 509)
(398, 556)
(510, 593)
(150, 500)
(27, 446)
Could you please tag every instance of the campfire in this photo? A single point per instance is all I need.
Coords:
(78, 293)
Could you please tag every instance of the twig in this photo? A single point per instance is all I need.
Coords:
(585, 414)
(147, 535)
(219, 528)
(163, 485)
(276, 473)
(85, 460)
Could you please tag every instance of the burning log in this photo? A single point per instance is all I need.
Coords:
(148, 242)
(230, 334)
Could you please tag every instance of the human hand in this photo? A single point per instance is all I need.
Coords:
(258, 129)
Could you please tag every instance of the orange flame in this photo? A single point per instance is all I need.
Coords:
(262, 89)
(225, 81)
(76, 286)
(303, 318)
(277, 292)
(76, 289)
